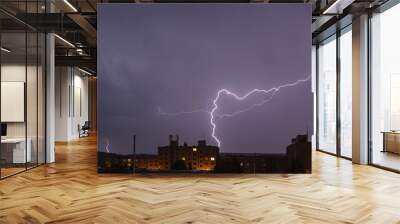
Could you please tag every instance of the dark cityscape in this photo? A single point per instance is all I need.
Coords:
(203, 158)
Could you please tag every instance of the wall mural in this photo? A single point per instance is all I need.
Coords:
(215, 88)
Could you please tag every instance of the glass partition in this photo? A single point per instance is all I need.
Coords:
(385, 89)
(22, 90)
(334, 95)
(346, 93)
(327, 95)
(14, 153)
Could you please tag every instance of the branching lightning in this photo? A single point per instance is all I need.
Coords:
(247, 109)
(107, 145)
(213, 112)
(181, 112)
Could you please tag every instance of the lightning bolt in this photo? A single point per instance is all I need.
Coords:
(161, 112)
(107, 145)
(212, 113)
(247, 109)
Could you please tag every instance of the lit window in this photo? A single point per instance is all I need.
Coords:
(194, 149)
(212, 159)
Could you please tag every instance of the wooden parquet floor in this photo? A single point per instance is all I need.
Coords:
(71, 191)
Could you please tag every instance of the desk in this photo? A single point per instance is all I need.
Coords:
(13, 150)
(391, 141)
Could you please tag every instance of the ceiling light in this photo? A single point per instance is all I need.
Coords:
(5, 50)
(79, 51)
(338, 6)
(64, 40)
(326, 11)
(70, 5)
(84, 71)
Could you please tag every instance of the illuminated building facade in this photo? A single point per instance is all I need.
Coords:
(201, 157)
(147, 162)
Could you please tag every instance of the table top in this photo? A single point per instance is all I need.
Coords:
(13, 140)
(391, 132)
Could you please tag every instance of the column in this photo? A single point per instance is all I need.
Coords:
(360, 90)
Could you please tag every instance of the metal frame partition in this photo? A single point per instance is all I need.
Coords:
(380, 9)
(39, 115)
(339, 31)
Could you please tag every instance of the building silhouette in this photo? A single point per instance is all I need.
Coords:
(299, 155)
(147, 162)
(207, 158)
(252, 163)
(297, 159)
(200, 157)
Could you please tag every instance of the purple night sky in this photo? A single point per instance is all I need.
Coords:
(156, 60)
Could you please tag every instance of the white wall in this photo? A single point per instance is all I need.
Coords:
(71, 102)
(62, 81)
(80, 111)
(33, 127)
(16, 73)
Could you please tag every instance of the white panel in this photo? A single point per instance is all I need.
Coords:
(12, 101)
(395, 102)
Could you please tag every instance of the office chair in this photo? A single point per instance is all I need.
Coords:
(84, 130)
